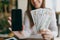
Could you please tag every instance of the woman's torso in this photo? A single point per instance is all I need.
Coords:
(37, 16)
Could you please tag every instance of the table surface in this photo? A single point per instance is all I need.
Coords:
(58, 38)
(37, 39)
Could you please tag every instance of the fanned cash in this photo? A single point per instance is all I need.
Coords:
(41, 18)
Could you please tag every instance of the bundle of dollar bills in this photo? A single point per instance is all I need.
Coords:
(41, 18)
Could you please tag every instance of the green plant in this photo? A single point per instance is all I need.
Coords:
(1, 6)
(4, 25)
(6, 2)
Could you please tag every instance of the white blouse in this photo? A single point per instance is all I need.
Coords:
(32, 33)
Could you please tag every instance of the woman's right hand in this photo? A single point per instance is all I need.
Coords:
(19, 34)
(9, 21)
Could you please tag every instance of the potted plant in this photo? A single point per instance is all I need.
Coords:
(4, 26)
(6, 5)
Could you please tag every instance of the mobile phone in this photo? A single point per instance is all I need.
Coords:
(16, 16)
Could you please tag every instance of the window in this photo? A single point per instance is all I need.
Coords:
(57, 5)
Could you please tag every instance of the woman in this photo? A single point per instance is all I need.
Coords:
(49, 33)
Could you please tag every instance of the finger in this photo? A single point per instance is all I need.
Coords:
(44, 36)
(10, 29)
(9, 22)
(47, 37)
(43, 32)
(9, 18)
(46, 32)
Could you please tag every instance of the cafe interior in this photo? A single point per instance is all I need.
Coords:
(5, 10)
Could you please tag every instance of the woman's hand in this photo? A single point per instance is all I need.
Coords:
(9, 20)
(46, 34)
(19, 34)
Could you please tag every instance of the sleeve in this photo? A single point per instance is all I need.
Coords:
(53, 24)
(26, 30)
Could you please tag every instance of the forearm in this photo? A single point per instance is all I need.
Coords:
(22, 34)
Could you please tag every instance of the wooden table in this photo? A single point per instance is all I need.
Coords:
(1, 38)
(34, 39)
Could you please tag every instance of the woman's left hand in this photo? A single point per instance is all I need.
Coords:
(46, 34)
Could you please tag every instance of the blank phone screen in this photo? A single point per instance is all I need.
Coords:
(16, 16)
